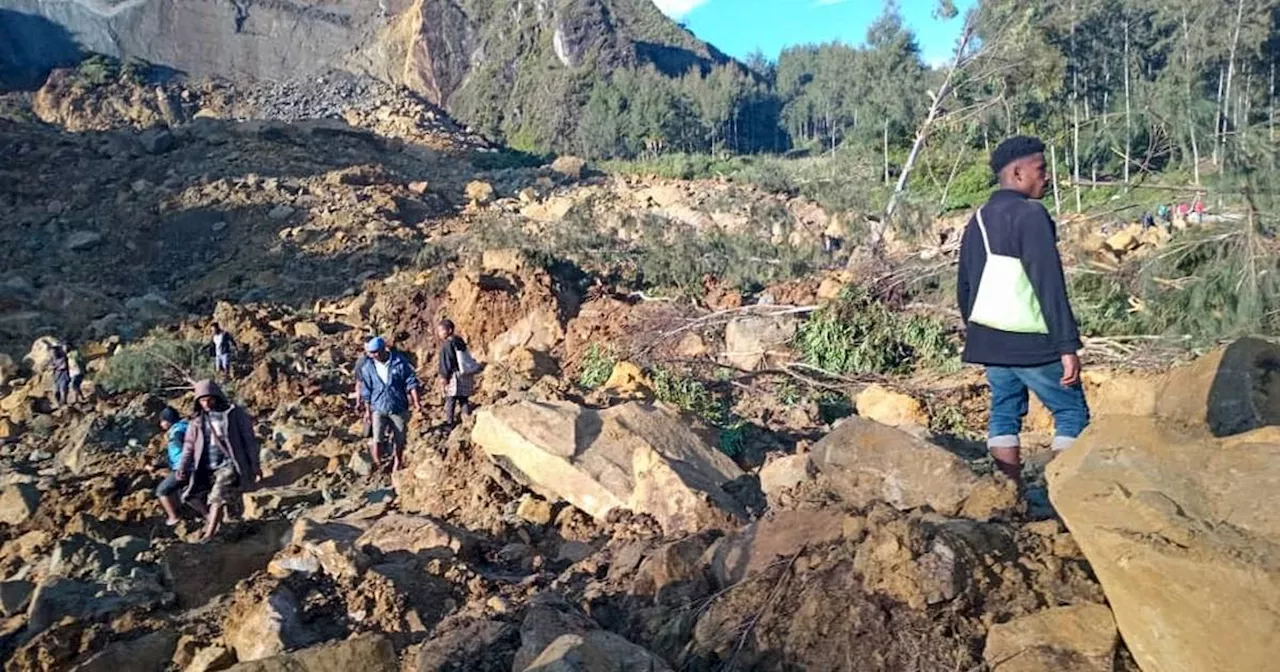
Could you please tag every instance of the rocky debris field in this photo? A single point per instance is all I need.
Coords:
(597, 512)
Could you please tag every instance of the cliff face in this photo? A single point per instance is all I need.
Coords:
(437, 48)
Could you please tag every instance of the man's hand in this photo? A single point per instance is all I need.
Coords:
(1070, 370)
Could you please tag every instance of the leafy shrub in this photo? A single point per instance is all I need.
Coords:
(858, 334)
(688, 394)
(597, 366)
(157, 363)
(97, 70)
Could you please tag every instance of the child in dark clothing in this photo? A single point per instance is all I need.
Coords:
(458, 385)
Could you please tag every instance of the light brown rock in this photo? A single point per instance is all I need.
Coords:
(1228, 391)
(534, 510)
(18, 503)
(633, 456)
(785, 473)
(753, 341)
(569, 166)
(268, 501)
(628, 380)
(322, 547)
(211, 659)
(364, 653)
(864, 461)
(261, 628)
(758, 545)
(479, 192)
(891, 408)
(399, 532)
(692, 346)
(1183, 532)
(1078, 638)
(596, 651)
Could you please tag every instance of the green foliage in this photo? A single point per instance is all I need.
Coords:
(688, 394)
(859, 334)
(135, 70)
(156, 363)
(97, 70)
(597, 365)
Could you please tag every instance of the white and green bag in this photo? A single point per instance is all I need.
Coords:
(1006, 299)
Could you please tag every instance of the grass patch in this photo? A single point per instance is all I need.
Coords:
(859, 334)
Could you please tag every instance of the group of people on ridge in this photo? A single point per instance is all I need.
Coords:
(212, 453)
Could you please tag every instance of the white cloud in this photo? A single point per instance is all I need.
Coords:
(677, 8)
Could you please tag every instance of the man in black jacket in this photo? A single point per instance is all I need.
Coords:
(458, 386)
(1034, 347)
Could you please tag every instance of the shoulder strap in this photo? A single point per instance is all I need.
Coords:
(982, 226)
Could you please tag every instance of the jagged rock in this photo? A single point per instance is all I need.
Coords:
(752, 341)
(674, 573)
(891, 408)
(148, 653)
(268, 501)
(634, 456)
(366, 653)
(1182, 532)
(321, 547)
(211, 659)
(628, 380)
(308, 330)
(534, 510)
(18, 503)
(737, 556)
(14, 596)
(1230, 390)
(57, 598)
(78, 241)
(197, 572)
(596, 651)
(261, 628)
(569, 166)
(417, 534)
(548, 617)
(1080, 638)
(280, 213)
(466, 647)
(284, 473)
(864, 461)
(785, 473)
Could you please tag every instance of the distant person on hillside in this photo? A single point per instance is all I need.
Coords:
(1148, 220)
(388, 384)
(458, 370)
(61, 367)
(224, 346)
(75, 370)
(175, 429)
(1013, 296)
(219, 453)
(1198, 209)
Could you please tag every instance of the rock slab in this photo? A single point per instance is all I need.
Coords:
(636, 456)
(1078, 638)
(366, 653)
(864, 461)
(1183, 532)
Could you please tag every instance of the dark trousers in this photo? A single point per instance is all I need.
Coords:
(451, 404)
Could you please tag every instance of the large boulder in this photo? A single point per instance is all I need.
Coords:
(148, 653)
(366, 653)
(1183, 532)
(18, 503)
(635, 456)
(402, 533)
(760, 544)
(1229, 391)
(261, 628)
(756, 340)
(1078, 638)
(864, 461)
(328, 547)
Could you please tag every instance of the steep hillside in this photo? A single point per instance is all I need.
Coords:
(498, 64)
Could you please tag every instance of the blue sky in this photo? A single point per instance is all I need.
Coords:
(738, 27)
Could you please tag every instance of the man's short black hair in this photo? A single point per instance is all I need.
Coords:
(1014, 148)
(447, 324)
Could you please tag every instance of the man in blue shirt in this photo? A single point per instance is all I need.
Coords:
(1043, 359)
(387, 385)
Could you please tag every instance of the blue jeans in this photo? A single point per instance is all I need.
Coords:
(1009, 386)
